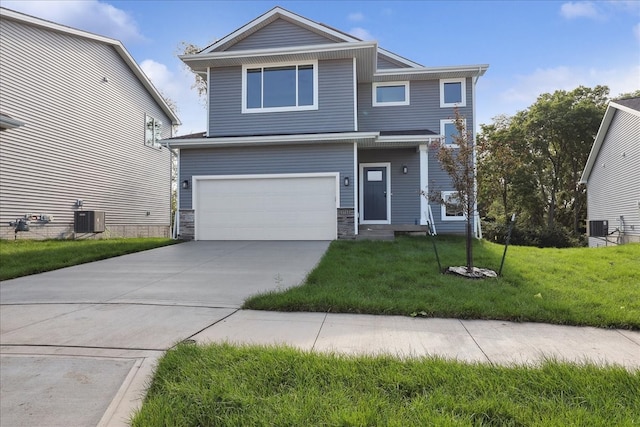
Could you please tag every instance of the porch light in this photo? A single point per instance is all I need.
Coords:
(185, 184)
(346, 181)
(405, 169)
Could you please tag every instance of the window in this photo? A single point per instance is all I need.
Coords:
(452, 208)
(390, 93)
(448, 131)
(152, 131)
(453, 93)
(280, 88)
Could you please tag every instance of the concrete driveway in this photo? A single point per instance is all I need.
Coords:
(76, 341)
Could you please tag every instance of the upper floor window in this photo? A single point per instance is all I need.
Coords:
(449, 132)
(390, 93)
(280, 87)
(453, 93)
(152, 131)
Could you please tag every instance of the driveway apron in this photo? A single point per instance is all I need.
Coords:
(77, 343)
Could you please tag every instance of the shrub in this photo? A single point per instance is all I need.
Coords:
(522, 235)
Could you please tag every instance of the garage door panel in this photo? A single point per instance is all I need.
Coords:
(282, 208)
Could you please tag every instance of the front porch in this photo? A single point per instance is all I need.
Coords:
(387, 231)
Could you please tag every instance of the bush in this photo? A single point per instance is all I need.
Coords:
(542, 237)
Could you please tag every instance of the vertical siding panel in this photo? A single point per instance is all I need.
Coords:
(83, 139)
(613, 189)
(334, 113)
(269, 160)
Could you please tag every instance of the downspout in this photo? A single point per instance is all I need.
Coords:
(476, 215)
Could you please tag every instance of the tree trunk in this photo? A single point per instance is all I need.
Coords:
(469, 248)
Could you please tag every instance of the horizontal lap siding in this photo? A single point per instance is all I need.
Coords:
(424, 111)
(268, 160)
(613, 189)
(83, 139)
(334, 113)
(384, 64)
(279, 33)
(405, 189)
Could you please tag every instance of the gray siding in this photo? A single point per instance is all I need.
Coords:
(439, 181)
(613, 189)
(334, 113)
(280, 33)
(83, 139)
(384, 63)
(424, 111)
(405, 189)
(269, 160)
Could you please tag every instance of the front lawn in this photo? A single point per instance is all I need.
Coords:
(23, 257)
(223, 385)
(576, 286)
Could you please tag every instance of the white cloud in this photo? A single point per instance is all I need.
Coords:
(573, 10)
(525, 89)
(356, 17)
(361, 33)
(177, 86)
(89, 15)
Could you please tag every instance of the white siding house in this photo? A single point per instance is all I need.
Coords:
(79, 125)
(612, 176)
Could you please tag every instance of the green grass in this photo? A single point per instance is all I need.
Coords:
(577, 286)
(224, 385)
(23, 257)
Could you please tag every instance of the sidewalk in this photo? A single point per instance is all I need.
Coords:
(474, 341)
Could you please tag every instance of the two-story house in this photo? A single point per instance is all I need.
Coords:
(80, 126)
(315, 134)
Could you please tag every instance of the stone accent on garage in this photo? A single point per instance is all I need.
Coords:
(187, 224)
(346, 223)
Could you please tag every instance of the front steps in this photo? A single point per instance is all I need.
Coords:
(387, 231)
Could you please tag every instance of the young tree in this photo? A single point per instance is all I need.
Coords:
(459, 164)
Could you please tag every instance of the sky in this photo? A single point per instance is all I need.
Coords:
(531, 47)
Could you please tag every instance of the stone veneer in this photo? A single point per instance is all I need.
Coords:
(346, 223)
(187, 224)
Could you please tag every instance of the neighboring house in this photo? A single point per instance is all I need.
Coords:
(315, 134)
(612, 176)
(79, 131)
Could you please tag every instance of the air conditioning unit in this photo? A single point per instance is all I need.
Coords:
(599, 228)
(88, 222)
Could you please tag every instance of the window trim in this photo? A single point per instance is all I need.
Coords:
(463, 88)
(156, 136)
(443, 208)
(444, 122)
(313, 106)
(374, 98)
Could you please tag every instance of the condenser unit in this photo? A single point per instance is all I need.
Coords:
(599, 228)
(88, 222)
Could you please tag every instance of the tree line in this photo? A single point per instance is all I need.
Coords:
(531, 163)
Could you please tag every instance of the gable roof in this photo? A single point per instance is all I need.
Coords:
(631, 106)
(116, 44)
(340, 46)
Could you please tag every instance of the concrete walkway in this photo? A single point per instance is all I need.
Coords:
(79, 345)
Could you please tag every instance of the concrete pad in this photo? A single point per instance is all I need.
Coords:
(118, 326)
(14, 317)
(265, 328)
(530, 343)
(58, 391)
(398, 336)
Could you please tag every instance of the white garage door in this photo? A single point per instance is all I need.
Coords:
(266, 207)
